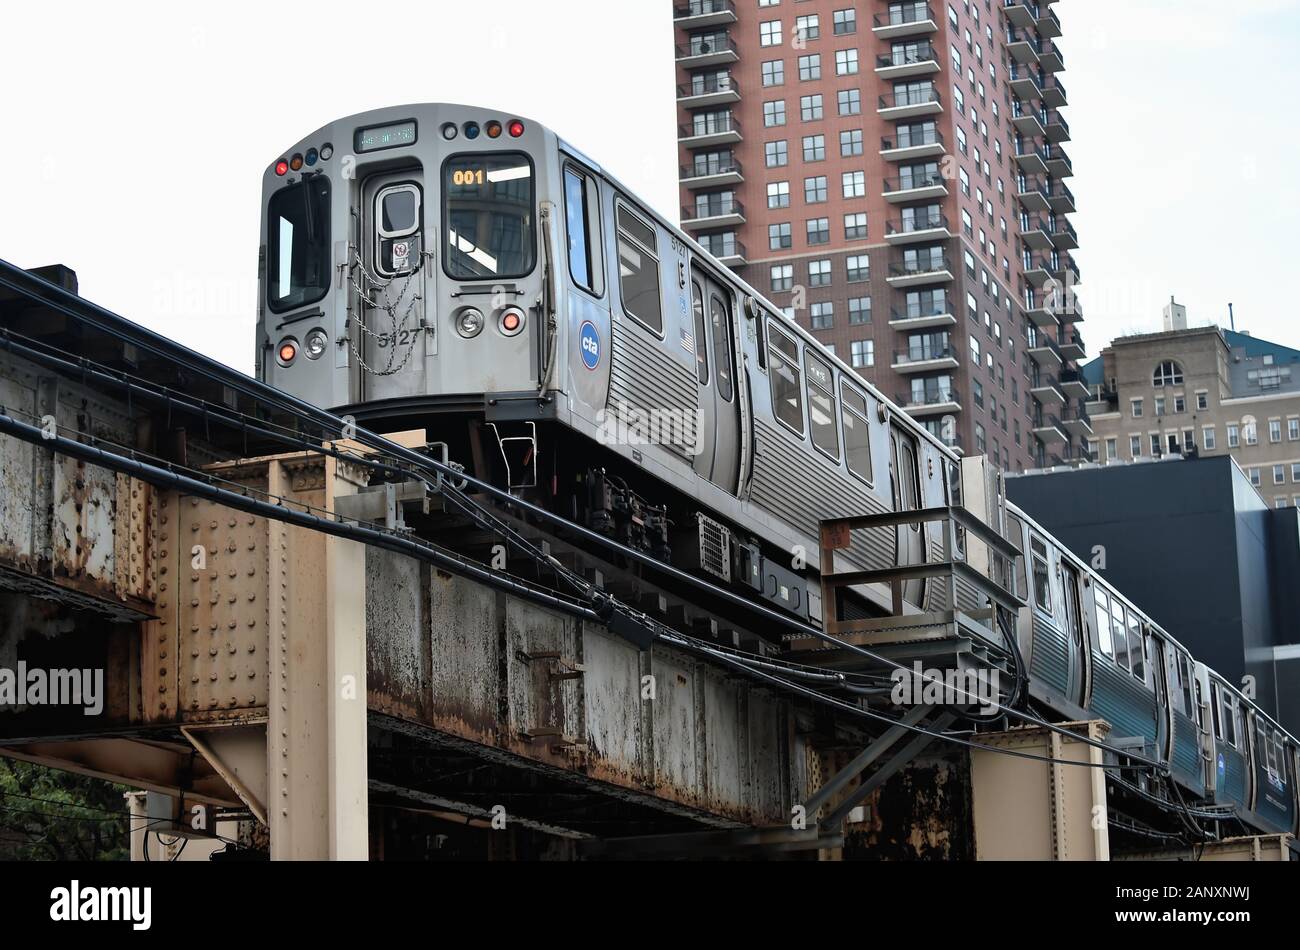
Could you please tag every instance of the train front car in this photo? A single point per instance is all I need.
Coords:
(402, 269)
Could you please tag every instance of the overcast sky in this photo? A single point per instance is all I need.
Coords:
(134, 142)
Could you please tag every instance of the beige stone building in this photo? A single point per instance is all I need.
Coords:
(1200, 390)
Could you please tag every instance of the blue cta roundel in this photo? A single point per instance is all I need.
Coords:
(589, 342)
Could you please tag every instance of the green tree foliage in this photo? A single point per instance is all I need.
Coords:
(48, 815)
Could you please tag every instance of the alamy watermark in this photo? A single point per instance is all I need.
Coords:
(630, 425)
(946, 688)
(34, 686)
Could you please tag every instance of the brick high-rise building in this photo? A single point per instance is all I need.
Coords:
(892, 175)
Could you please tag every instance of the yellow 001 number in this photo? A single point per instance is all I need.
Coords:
(475, 176)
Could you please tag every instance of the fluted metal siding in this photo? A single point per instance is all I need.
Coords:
(649, 380)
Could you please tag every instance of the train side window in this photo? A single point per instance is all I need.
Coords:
(1119, 634)
(1177, 697)
(1229, 715)
(701, 347)
(638, 270)
(582, 222)
(1188, 688)
(1216, 710)
(821, 408)
(1104, 641)
(1016, 532)
(720, 315)
(857, 433)
(760, 342)
(1137, 647)
(787, 391)
(1042, 576)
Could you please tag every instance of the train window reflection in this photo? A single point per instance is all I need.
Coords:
(489, 217)
(638, 270)
(398, 211)
(857, 433)
(298, 244)
(1042, 576)
(701, 344)
(787, 395)
(581, 202)
(720, 317)
(1104, 641)
(821, 408)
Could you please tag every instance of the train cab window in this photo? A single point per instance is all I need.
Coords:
(1042, 575)
(582, 223)
(1216, 710)
(857, 433)
(1119, 634)
(701, 347)
(638, 270)
(489, 217)
(1137, 647)
(720, 316)
(787, 393)
(1228, 714)
(1187, 688)
(1104, 641)
(1016, 535)
(821, 408)
(298, 244)
(396, 224)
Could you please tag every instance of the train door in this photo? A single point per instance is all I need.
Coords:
(1074, 631)
(393, 246)
(718, 427)
(904, 480)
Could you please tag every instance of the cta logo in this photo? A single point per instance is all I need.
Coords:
(589, 343)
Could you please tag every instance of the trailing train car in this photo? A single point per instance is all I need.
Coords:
(469, 272)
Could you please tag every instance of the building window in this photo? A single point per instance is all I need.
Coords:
(774, 73)
(814, 190)
(855, 186)
(850, 143)
(1254, 476)
(850, 101)
(1135, 446)
(779, 237)
(844, 22)
(1295, 472)
(782, 276)
(1274, 430)
(1155, 445)
(769, 33)
(1202, 401)
(810, 108)
(1180, 404)
(1112, 449)
(859, 310)
(859, 268)
(1207, 438)
(819, 231)
(1252, 433)
(774, 113)
(776, 154)
(1234, 435)
(814, 148)
(855, 226)
(822, 316)
(819, 273)
(1293, 429)
(863, 353)
(846, 62)
(810, 67)
(778, 194)
(1160, 406)
(1279, 474)
(1167, 373)
(808, 27)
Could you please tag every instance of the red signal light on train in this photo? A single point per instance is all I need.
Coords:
(510, 322)
(287, 352)
(516, 129)
(282, 167)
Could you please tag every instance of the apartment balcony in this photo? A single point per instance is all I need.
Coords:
(711, 174)
(698, 14)
(907, 105)
(931, 402)
(929, 145)
(1021, 14)
(1036, 233)
(714, 214)
(1058, 130)
(1049, 24)
(931, 269)
(1051, 58)
(1065, 272)
(893, 66)
(723, 130)
(1072, 348)
(904, 22)
(917, 230)
(1073, 384)
(1058, 163)
(1033, 194)
(1064, 237)
(1031, 159)
(1059, 198)
(1026, 82)
(925, 359)
(1076, 422)
(707, 51)
(1047, 390)
(1049, 428)
(732, 254)
(701, 93)
(903, 190)
(1054, 96)
(1037, 272)
(1044, 351)
(1044, 313)
(919, 319)
(1023, 47)
(1028, 121)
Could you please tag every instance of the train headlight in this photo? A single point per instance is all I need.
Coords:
(470, 323)
(326, 152)
(314, 344)
(287, 351)
(511, 322)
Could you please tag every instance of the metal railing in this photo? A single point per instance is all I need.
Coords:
(912, 182)
(920, 265)
(901, 16)
(925, 353)
(917, 313)
(915, 57)
(732, 248)
(707, 46)
(712, 167)
(707, 86)
(703, 7)
(928, 137)
(919, 223)
(714, 126)
(1040, 341)
(713, 209)
(929, 397)
(910, 97)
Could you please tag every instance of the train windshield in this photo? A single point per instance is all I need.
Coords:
(298, 244)
(489, 217)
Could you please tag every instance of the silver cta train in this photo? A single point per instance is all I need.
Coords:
(468, 272)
